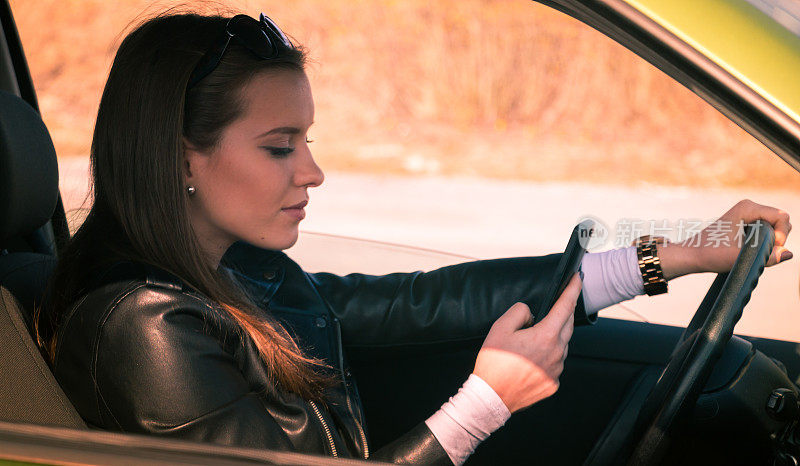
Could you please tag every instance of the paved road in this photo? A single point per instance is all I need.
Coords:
(487, 219)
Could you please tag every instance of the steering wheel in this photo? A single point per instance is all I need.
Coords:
(701, 345)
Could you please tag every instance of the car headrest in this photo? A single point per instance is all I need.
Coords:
(28, 169)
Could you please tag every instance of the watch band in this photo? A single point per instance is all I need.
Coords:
(650, 266)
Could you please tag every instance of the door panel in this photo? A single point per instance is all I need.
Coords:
(403, 386)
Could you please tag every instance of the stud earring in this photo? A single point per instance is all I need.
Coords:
(191, 190)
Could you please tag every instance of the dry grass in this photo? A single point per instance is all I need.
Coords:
(488, 88)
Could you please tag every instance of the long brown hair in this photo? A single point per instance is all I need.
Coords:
(140, 204)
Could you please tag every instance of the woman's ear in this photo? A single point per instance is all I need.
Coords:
(192, 159)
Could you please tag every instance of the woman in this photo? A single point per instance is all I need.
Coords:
(176, 314)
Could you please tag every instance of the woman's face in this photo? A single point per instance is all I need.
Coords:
(261, 167)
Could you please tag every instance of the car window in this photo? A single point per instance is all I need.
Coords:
(478, 129)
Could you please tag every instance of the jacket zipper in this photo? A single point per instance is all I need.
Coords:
(325, 427)
(347, 392)
(360, 430)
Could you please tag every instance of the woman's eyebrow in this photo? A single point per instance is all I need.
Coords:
(280, 130)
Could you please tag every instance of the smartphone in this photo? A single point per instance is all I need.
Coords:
(568, 265)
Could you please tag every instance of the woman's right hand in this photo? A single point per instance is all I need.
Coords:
(523, 365)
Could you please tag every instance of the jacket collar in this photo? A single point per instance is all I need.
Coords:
(259, 271)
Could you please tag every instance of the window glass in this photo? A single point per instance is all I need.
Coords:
(477, 128)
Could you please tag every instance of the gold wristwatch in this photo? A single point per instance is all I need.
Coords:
(650, 265)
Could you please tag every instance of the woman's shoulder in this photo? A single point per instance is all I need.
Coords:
(136, 328)
(127, 283)
(127, 300)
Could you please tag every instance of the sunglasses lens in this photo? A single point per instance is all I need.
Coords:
(249, 33)
(271, 26)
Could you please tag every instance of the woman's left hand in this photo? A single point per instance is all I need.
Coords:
(718, 245)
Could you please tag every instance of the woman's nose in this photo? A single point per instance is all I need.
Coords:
(309, 173)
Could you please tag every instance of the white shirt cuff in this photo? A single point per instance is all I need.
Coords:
(610, 277)
(468, 418)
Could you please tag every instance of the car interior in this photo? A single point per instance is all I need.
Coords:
(740, 414)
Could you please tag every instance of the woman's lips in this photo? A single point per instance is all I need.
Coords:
(299, 205)
(296, 211)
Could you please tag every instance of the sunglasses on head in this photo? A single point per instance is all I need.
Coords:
(263, 38)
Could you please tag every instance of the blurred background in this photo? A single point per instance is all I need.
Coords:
(499, 89)
(451, 130)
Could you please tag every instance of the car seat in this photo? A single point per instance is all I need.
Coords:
(28, 197)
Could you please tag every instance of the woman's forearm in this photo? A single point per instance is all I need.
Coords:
(678, 259)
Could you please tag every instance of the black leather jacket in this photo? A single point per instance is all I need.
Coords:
(143, 353)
